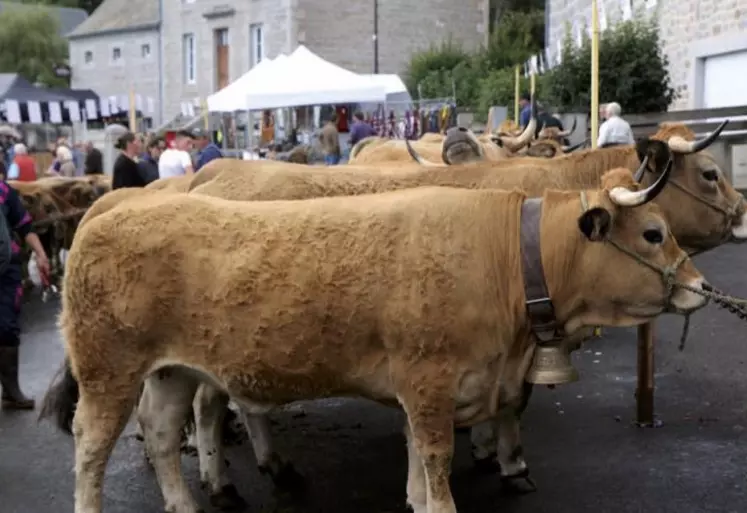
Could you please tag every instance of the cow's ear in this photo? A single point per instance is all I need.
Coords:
(658, 153)
(595, 223)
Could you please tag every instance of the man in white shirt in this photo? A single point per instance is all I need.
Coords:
(176, 161)
(615, 130)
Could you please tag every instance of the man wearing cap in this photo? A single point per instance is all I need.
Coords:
(525, 114)
(207, 149)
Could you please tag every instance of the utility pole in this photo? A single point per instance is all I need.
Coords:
(376, 35)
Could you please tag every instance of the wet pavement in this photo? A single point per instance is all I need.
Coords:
(583, 450)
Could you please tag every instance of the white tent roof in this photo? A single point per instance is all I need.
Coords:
(392, 83)
(232, 98)
(304, 78)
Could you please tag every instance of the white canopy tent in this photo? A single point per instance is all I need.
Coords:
(304, 78)
(233, 97)
(397, 97)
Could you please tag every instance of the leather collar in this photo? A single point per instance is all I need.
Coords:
(539, 305)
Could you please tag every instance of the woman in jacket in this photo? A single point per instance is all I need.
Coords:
(11, 292)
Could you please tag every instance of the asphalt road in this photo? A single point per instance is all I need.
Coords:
(583, 450)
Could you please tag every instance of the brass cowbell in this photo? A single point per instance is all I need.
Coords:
(551, 365)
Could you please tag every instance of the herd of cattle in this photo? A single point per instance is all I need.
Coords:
(398, 277)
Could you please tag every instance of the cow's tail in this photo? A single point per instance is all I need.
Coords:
(61, 399)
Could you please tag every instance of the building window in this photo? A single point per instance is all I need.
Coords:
(190, 59)
(88, 57)
(145, 50)
(256, 44)
(116, 54)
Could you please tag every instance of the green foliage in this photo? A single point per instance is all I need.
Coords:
(632, 71)
(31, 44)
(434, 65)
(498, 88)
(633, 68)
(519, 36)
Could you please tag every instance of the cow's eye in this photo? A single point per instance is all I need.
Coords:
(710, 175)
(653, 236)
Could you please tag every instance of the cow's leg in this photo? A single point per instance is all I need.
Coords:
(163, 408)
(99, 420)
(430, 414)
(417, 497)
(496, 446)
(210, 406)
(514, 471)
(282, 472)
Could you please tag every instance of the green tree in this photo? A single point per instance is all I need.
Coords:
(498, 88)
(633, 70)
(31, 45)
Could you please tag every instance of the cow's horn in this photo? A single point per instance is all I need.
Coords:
(417, 158)
(679, 145)
(573, 147)
(516, 143)
(569, 132)
(626, 198)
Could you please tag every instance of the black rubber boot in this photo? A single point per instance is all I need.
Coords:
(12, 397)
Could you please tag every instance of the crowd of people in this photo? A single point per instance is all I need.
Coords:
(143, 160)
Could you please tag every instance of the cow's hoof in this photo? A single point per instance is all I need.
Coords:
(487, 465)
(520, 484)
(228, 499)
(286, 478)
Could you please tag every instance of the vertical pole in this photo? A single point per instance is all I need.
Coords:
(645, 391)
(517, 92)
(594, 73)
(205, 114)
(133, 115)
(376, 35)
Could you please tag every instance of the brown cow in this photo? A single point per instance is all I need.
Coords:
(720, 208)
(459, 145)
(325, 316)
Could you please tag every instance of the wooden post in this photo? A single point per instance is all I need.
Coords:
(517, 92)
(645, 391)
(133, 111)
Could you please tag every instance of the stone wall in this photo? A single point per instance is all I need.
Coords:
(682, 23)
(107, 78)
(342, 32)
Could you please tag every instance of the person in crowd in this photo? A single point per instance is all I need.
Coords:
(207, 149)
(65, 158)
(330, 141)
(94, 162)
(23, 167)
(127, 173)
(11, 292)
(360, 129)
(176, 161)
(525, 109)
(546, 120)
(615, 130)
(148, 161)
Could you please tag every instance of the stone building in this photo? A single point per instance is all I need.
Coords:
(705, 40)
(206, 44)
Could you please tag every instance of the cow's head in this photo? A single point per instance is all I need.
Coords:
(461, 145)
(618, 273)
(702, 207)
